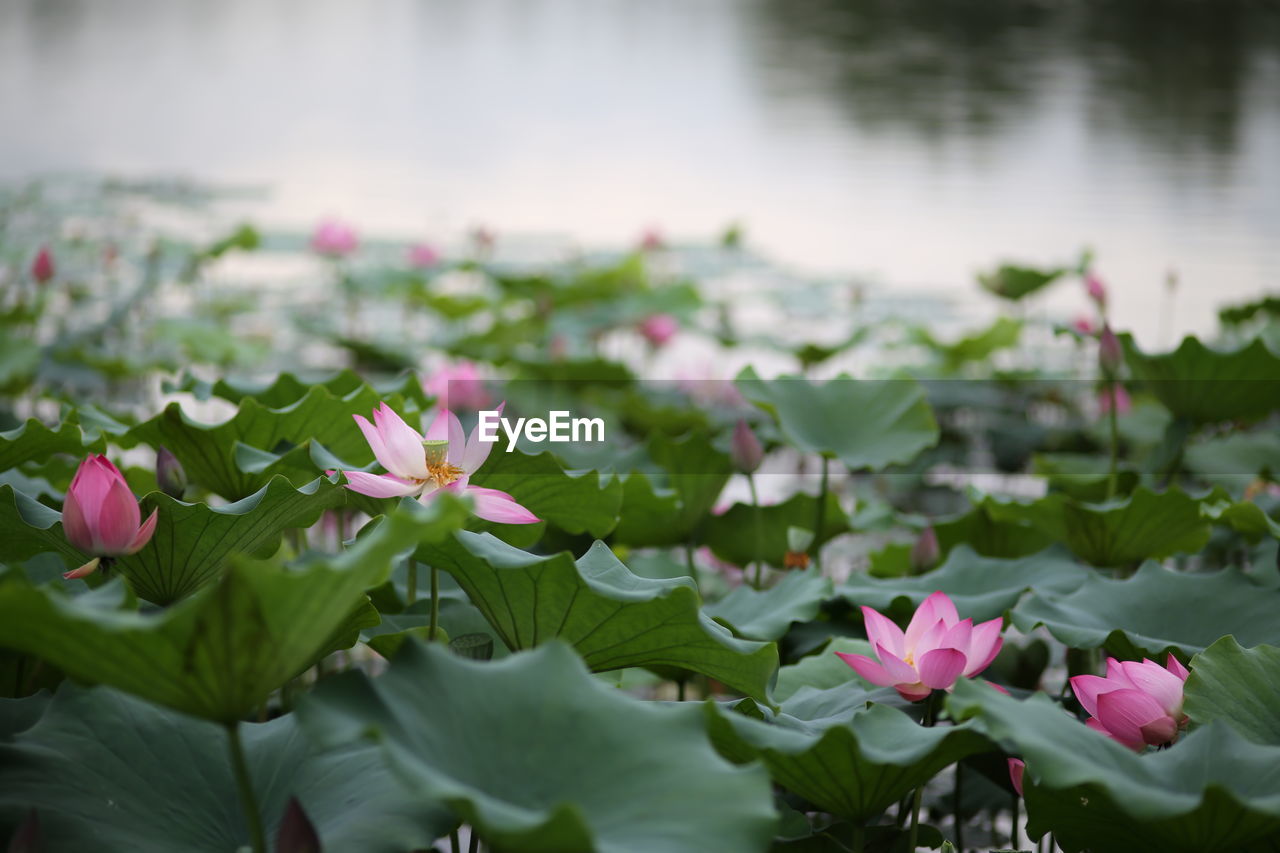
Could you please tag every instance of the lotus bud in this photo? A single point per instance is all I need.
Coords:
(334, 238)
(100, 515)
(925, 553)
(423, 256)
(1110, 355)
(657, 329)
(170, 475)
(42, 268)
(1096, 289)
(1016, 769)
(296, 833)
(651, 240)
(745, 450)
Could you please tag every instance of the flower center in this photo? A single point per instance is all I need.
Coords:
(439, 471)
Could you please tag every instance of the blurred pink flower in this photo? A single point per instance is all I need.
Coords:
(423, 256)
(1094, 286)
(334, 238)
(937, 648)
(658, 329)
(422, 466)
(1110, 353)
(1138, 703)
(1083, 324)
(1117, 393)
(100, 515)
(651, 240)
(744, 448)
(458, 386)
(42, 269)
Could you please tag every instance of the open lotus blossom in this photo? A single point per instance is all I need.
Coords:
(422, 465)
(458, 386)
(1138, 703)
(334, 238)
(1017, 767)
(657, 329)
(100, 515)
(937, 648)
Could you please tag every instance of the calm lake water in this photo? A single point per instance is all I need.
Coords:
(913, 141)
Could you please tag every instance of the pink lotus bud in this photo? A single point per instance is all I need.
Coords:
(651, 240)
(100, 515)
(657, 329)
(334, 238)
(296, 833)
(170, 475)
(936, 649)
(1096, 289)
(1110, 355)
(744, 449)
(423, 256)
(1016, 769)
(1083, 324)
(925, 553)
(1138, 703)
(42, 269)
(1114, 393)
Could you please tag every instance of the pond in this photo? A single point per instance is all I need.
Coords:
(907, 140)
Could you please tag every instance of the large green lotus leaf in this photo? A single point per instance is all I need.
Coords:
(1122, 532)
(989, 537)
(766, 614)
(981, 587)
(288, 388)
(1237, 458)
(1204, 385)
(540, 757)
(1213, 792)
(647, 514)
(670, 506)
(1245, 517)
(575, 501)
(735, 537)
(839, 749)
(1239, 686)
(192, 541)
(220, 652)
(111, 773)
(866, 424)
(1013, 282)
(1155, 611)
(822, 669)
(612, 617)
(237, 457)
(33, 441)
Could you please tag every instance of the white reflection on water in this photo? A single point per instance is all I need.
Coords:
(914, 142)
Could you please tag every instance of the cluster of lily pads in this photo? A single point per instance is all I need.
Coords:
(1013, 590)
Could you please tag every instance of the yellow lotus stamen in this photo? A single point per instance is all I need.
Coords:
(439, 471)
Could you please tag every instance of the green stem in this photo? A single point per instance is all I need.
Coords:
(859, 842)
(822, 512)
(455, 844)
(680, 690)
(1115, 440)
(1015, 837)
(435, 604)
(755, 503)
(248, 802)
(473, 846)
(955, 808)
(689, 562)
(914, 835)
(412, 586)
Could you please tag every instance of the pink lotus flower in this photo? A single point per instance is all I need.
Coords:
(458, 386)
(657, 329)
(1095, 288)
(334, 238)
(1138, 703)
(937, 648)
(1114, 394)
(421, 466)
(423, 256)
(1017, 767)
(42, 269)
(100, 515)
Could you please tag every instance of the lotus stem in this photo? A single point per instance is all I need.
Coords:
(822, 512)
(955, 807)
(411, 593)
(473, 845)
(455, 844)
(435, 604)
(859, 841)
(248, 802)
(755, 504)
(1115, 440)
